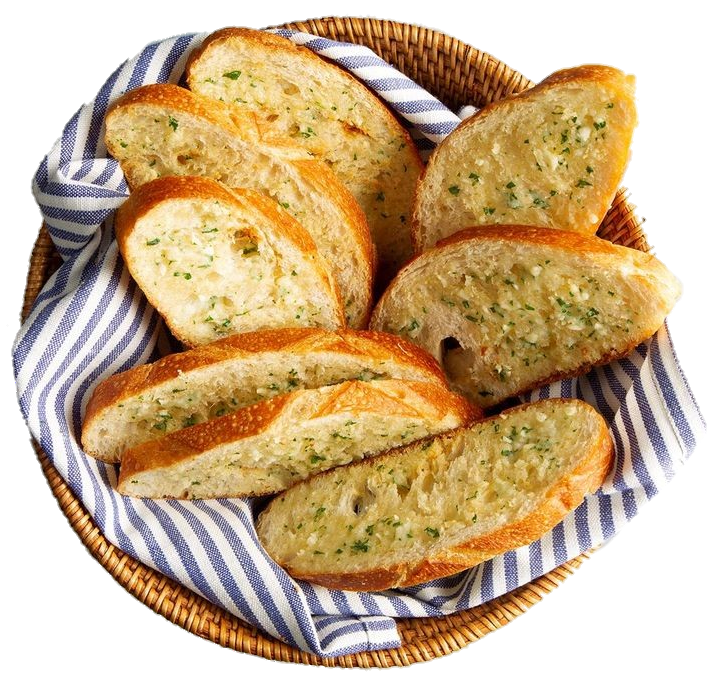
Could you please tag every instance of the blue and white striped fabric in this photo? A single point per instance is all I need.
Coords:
(91, 321)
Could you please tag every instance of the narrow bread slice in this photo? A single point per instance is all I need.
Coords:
(552, 156)
(436, 507)
(215, 262)
(180, 390)
(271, 445)
(508, 308)
(295, 93)
(164, 129)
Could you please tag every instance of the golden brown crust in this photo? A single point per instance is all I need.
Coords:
(562, 498)
(622, 85)
(354, 397)
(290, 341)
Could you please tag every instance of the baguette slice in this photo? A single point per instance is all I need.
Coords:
(163, 129)
(506, 309)
(436, 507)
(215, 262)
(552, 156)
(269, 446)
(179, 390)
(294, 93)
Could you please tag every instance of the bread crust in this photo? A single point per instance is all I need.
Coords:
(623, 87)
(244, 127)
(351, 397)
(563, 497)
(652, 274)
(373, 345)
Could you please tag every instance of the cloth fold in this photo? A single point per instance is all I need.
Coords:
(91, 321)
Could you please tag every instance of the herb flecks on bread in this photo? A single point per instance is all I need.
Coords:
(509, 308)
(184, 389)
(215, 262)
(162, 129)
(296, 94)
(269, 446)
(439, 506)
(552, 156)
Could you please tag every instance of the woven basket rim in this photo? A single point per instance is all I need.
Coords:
(424, 638)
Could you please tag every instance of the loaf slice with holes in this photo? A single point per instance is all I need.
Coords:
(506, 309)
(150, 401)
(295, 93)
(436, 507)
(163, 129)
(215, 261)
(552, 156)
(269, 446)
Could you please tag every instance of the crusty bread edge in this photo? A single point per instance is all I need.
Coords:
(586, 478)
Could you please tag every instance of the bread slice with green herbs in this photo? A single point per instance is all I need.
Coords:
(552, 156)
(295, 93)
(439, 506)
(506, 309)
(215, 261)
(163, 129)
(271, 445)
(150, 401)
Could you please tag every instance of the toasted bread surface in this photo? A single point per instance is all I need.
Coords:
(271, 445)
(551, 156)
(507, 308)
(162, 129)
(441, 505)
(294, 93)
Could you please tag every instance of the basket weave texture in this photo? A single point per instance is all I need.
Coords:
(457, 74)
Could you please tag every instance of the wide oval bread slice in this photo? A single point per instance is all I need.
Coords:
(439, 506)
(215, 262)
(505, 309)
(551, 156)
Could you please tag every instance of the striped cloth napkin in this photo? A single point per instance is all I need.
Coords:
(91, 321)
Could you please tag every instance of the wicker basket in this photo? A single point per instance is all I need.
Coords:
(457, 74)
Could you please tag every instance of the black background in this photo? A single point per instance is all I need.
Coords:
(640, 601)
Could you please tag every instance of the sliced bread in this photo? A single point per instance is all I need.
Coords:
(269, 446)
(508, 308)
(180, 390)
(294, 93)
(215, 261)
(552, 156)
(163, 129)
(439, 506)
